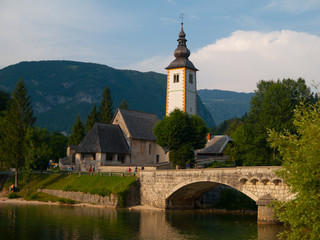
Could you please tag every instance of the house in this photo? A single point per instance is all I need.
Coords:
(214, 149)
(128, 141)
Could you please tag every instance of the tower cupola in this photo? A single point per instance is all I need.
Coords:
(182, 53)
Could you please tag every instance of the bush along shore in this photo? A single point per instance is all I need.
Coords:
(109, 191)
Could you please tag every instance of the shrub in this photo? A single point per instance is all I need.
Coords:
(13, 195)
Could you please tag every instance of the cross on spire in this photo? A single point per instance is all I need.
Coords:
(181, 17)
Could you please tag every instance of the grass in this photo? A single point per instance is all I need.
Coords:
(93, 184)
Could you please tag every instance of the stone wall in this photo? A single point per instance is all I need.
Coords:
(132, 198)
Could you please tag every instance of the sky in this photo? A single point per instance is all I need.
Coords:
(233, 43)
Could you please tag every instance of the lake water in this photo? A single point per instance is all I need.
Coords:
(67, 222)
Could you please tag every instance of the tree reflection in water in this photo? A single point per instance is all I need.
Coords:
(64, 222)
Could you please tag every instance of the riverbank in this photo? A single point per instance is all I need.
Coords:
(19, 201)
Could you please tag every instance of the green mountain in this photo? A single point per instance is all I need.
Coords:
(62, 89)
(224, 105)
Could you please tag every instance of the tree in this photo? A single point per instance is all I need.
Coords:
(92, 118)
(271, 108)
(57, 143)
(181, 133)
(17, 119)
(4, 98)
(106, 109)
(300, 152)
(124, 104)
(77, 132)
(37, 152)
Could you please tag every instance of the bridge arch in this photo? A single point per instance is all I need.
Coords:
(184, 194)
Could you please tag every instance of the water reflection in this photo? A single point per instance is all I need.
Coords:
(63, 222)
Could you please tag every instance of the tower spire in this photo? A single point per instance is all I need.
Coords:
(182, 53)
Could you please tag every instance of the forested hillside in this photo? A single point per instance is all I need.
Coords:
(224, 105)
(62, 89)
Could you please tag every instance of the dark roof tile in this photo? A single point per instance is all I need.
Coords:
(216, 145)
(104, 138)
(139, 124)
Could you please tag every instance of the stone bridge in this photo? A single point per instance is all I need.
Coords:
(168, 189)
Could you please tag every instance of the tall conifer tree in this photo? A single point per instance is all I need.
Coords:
(124, 104)
(106, 109)
(17, 119)
(77, 132)
(92, 118)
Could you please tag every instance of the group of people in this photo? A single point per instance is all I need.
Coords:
(92, 168)
(136, 169)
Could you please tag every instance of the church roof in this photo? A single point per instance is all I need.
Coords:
(140, 124)
(182, 53)
(216, 145)
(104, 138)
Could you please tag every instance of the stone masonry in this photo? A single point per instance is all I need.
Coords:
(169, 189)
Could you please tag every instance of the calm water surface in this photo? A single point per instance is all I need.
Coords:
(64, 222)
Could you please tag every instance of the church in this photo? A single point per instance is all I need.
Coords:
(129, 141)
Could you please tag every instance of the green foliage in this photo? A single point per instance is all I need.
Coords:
(181, 133)
(77, 132)
(124, 104)
(57, 143)
(92, 118)
(227, 126)
(4, 99)
(271, 108)
(66, 201)
(13, 195)
(106, 108)
(37, 152)
(300, 152)
(18, 118)
(94, 184)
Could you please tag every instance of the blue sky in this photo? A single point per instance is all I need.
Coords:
(234, 43)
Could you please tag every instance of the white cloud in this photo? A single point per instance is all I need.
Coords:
(155, 64)
(239, 61)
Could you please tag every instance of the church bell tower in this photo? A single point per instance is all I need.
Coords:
(181, 80)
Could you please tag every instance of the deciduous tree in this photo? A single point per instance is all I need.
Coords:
(181, 133)
(271, 108)
(37, 152)
(300, 152)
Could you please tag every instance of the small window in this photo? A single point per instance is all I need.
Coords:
(157, 159)
(149, 148)
(190, 78)
(73, 158)
(176, 78)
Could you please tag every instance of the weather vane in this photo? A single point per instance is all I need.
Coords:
(181, 16)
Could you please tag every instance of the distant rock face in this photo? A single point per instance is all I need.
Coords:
(61, 89)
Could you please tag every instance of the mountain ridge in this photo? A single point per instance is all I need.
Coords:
(61, 89)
